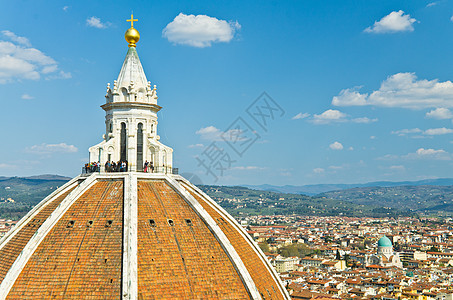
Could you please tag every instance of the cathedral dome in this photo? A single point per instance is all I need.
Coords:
(132, 236)
(384, 242)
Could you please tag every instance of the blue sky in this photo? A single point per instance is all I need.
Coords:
(365, 86)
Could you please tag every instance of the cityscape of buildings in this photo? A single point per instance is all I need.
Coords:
(6, 225)
(350, 258)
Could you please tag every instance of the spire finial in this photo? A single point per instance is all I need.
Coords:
(132, 36)
(132, 20)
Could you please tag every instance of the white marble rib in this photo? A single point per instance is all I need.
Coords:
(130, 281)
(220, 236)
(40, 234)
(35, 210)
(244, 234)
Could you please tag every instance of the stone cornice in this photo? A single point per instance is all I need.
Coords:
(140, 105)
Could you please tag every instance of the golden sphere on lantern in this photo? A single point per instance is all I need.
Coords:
(132, 36)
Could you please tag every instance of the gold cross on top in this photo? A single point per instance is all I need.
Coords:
(132, 20)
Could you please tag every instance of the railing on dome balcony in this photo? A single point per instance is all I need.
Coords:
(88, 170)
(163, 169)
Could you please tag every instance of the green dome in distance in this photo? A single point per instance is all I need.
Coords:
(385, 242)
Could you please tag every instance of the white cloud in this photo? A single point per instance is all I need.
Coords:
(7, 166)
(210, 133)
(11, 67)
(397, 168)
(29, 54)
(65, 75)
(396, 21)
(430, 154)
(336, 167)
(60, 75)
(428, 132)
(247, 168)
(373, 137)
(196, 146)
(49, 69)
(364, 120)
(52, 148)
(318, 170)
(404, 132)
(199, 31)
(336, 146)
(329, 116)
(27, 97)
(300, 116)
(439, 154)
(401, 90)
(351, 148)
(262, 141)
(438, 131)
(440, 114)
(18, 61)
(350, 97)
(17, 39)
(420, 154)
(96, 23)
(336, 116)
(65, 8)
(388, 157)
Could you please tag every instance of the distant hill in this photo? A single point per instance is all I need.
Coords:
(49, 177)
(41, 177)
(422, 198)
(18, 195)
(315, 189)
(238, 200)
(27, 192)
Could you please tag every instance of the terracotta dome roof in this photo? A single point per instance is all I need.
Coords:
(132, 236)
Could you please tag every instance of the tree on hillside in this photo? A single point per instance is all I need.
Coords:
(300, 250)
(367, 243)
(433, 249)
(264, 247)
(346, 258)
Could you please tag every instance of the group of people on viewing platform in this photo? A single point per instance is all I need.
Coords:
(120, 166)
(148, 167)
(91, 167)
(112, 166)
